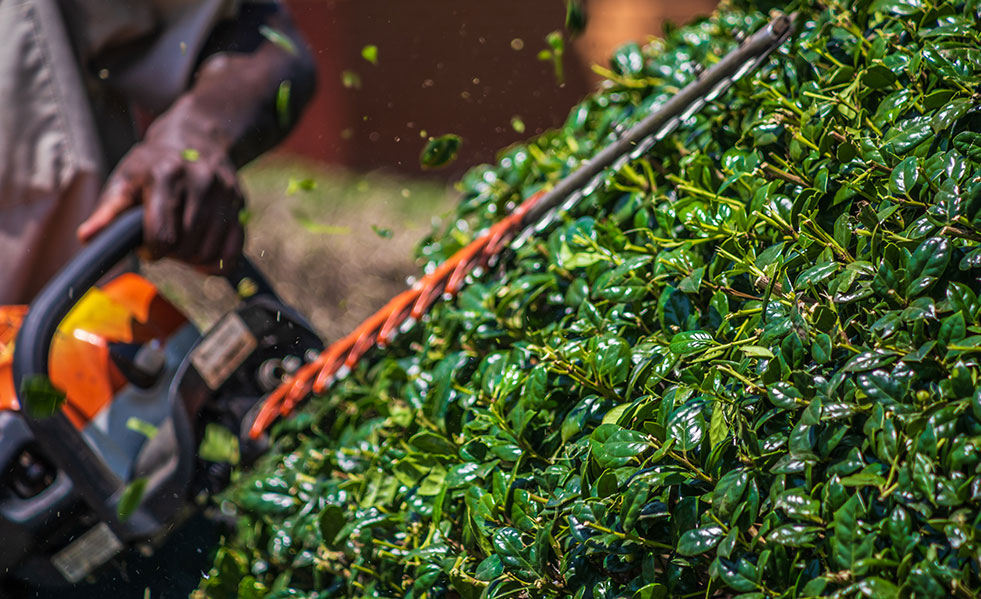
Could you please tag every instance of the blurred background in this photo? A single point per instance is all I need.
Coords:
(446, 66)
(336, 211)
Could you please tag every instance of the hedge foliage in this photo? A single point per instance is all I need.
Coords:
(747, 365)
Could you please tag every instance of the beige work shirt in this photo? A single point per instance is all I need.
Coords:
(63, 126)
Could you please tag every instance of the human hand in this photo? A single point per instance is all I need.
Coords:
(190, 193)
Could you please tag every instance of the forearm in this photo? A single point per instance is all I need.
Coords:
(183, 171)
(244, 102)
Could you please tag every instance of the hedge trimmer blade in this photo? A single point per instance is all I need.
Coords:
(533, 215)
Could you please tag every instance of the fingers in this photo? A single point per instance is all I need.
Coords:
(197, 215)
(120, 194)
(221, 243)
(191, 208)
(233, 233)
(231, 251)
(211, 217)
(164, 201)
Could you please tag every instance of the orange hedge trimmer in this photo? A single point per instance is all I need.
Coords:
(535, 214)
(114, 407)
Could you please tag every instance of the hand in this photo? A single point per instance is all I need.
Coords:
(190, 193)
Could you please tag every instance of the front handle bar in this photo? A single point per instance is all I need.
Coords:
(61, 440)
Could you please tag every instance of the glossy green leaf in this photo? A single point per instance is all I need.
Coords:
(756, 351)
(612, 359)
(878, 76)
(794, 535)
(953, 329)
(906, 134)
(817, 274)
(687, 425)
(904, 176)
(490, 568)
(821, 348)
(879, 385)
(948, 115)
(507, 542)
(784, 396)
(621, 446)
(691, 342)
(969, 144)
(898, 7)
(798, 505)
(700, 540)
(718, 427)
(330, 521)
(440, 151)
(729, 492)
(927, 264)
(654, 590)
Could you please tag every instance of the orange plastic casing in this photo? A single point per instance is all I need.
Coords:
(127, 309)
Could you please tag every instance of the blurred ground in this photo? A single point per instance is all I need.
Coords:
(337, 245)
(340, 251)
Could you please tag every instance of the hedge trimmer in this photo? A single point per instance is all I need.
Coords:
(533, 215)
(109, 398)
(113, 405)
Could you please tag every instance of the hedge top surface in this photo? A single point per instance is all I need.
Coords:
(746, 366)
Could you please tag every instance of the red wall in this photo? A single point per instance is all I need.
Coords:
(448, 66)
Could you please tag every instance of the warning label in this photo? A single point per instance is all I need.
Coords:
(225, 347)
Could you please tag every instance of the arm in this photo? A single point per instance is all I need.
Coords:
(183, 171)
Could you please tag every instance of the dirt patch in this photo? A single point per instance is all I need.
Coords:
(335, 244)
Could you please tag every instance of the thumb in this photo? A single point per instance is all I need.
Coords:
(118, 196)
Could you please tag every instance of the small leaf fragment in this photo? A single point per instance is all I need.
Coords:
(440, 151)
(370, 53)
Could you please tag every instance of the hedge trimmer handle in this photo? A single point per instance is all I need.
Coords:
(67, 448)
(62, 441)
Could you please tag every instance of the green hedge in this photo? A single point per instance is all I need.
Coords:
(747, 365)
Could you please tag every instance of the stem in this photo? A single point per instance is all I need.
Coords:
(629, 537)
(782, 99)
(683, 460)
(784, 175)
(750, 385)
(828, 241)
(955, 232)
(557, 364)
